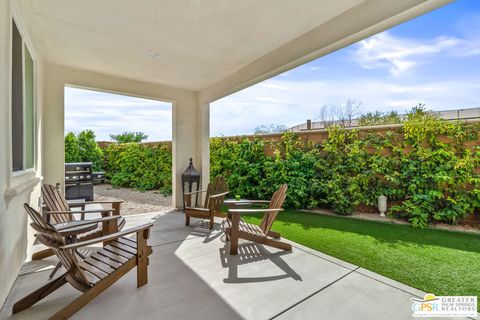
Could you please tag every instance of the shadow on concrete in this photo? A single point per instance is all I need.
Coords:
(185, 278)
(251, 253)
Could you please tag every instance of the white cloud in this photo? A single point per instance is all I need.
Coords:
(269, 99)
(401, 54)
(107, 114)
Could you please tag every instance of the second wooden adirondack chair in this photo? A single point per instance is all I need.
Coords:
(94, 274)
(214, 196)
(236, 228)
(58, 211)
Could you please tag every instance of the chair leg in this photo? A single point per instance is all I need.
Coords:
(142, 259)
(57, 266)
(234, 234)
(187, 220)
(39, 294)
(266, 241)
(274, 234)
(226, 230)
(211, 222)
(277, 244)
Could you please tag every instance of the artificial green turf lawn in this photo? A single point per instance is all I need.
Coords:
(435, 261)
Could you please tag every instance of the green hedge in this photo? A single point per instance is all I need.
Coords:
(138, 166)
(82, 147)
(423, 166)
(432, 180)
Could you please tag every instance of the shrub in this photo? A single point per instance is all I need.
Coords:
(140, 167)
(88, 149)
(83, 148)
(71, 148)
(128, 137)
(378, 118)
(424, 166)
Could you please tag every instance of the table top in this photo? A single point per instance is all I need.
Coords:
(237, 202)
(76, 201)
(71, 228)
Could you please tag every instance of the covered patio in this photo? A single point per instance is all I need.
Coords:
(189, 53)
(192, 276)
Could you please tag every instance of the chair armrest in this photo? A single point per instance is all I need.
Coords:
(198, 209)
(107, 237)
(219, 194)
(79, 211)
(194, 192)
(104, 202)
(78, 223)
(240, 211)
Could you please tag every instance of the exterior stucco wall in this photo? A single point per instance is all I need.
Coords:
(190, 127)
(15, 189)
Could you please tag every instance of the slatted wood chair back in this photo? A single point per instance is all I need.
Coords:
(55, 201)
(275, 203)
(50, 237)
(218, 185)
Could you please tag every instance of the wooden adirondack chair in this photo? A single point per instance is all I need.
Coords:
(237, 228)
(94, 274)
(215, 194)
(59, 211)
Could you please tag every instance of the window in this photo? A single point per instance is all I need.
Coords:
(29, 116)
(23, 106)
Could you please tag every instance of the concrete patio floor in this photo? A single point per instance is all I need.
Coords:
(192, 276)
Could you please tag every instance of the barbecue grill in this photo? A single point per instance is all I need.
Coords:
(79, 181)
(99, 177)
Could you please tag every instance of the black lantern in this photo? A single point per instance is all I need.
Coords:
(190, 176)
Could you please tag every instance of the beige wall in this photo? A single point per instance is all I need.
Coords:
(190, 120)
(18, 188)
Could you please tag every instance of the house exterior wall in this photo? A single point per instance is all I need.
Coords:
(19, 187)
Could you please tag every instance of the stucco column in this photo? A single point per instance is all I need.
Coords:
(191, 131)
(53, 126)
(183, 143)
(203, 141)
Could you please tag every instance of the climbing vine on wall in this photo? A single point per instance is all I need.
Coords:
(428, 167)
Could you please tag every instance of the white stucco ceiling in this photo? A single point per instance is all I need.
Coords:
(188, 44)
(182, 43)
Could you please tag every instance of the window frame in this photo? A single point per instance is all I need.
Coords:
(34, 111)
(25, 46)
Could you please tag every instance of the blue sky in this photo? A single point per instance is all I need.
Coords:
(433, 59)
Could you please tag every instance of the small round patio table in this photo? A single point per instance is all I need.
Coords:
(233, 203)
